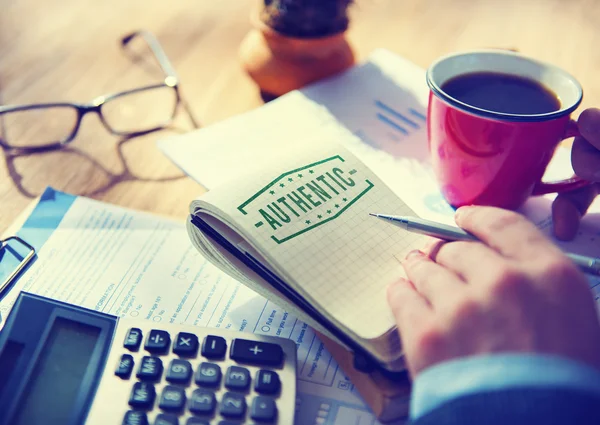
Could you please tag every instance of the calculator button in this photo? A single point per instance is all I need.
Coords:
(142, 395)
(267, 382)
(150, 368)
(172, 398)
(254, 352)
(208, 374)
(157, 341)
(196, 421)
(134, 417)
(214, 347)
(125, 366)
(186, 344)
(237, 378)
(263, 409)
(233, 405)
(202, 402)
(179, 371)
(166, 419)
(133, 339)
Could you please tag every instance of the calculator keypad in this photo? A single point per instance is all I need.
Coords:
(208, 375)
(263, 409)
(214, 347)
(202, 401)
(267, 382)
(166, 419)
(179, 371)
(233, 405)
(150, 368)
(125, 366)
(185, 380)
(186, 344)
(142, 395)
(133, 339)
(253, 352)
(172, 398)
(237, 378)
(135, 417)
(157, 341)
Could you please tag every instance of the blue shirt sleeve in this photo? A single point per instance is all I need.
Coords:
(455, 378)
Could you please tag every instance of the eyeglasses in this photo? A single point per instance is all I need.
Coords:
(46, 126)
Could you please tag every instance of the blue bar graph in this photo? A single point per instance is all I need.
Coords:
(417, 114)
(401, 122)
(397, 114)
(391, 123)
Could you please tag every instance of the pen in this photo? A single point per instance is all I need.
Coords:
(588, 265)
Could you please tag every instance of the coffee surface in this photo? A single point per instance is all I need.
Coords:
(503, 93)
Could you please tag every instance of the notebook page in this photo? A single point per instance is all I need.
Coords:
(309, 215)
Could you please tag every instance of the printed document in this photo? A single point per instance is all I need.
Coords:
(133, 264)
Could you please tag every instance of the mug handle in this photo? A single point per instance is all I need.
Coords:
(543, 188)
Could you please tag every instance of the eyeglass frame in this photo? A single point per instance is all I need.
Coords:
(171, 80)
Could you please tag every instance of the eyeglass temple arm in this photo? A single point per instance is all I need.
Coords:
(163, 61)
(157, 50)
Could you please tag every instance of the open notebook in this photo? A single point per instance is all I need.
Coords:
(298, 231)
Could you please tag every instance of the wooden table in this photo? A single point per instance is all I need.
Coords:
(68, 50)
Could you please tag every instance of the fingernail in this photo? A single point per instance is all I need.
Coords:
(413, 254)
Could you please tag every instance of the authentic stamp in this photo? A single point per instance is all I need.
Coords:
(304, 198)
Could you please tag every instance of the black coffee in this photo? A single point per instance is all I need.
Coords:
(504, 93)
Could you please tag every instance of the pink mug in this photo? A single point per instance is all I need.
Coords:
(484, 157)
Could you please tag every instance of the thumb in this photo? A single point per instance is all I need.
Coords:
(569, 207)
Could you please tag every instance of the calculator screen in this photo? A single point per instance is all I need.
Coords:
(53, 387)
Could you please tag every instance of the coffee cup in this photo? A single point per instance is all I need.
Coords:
(494, 121)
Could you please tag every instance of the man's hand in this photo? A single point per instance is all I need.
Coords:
(569, 207)
(514, 292)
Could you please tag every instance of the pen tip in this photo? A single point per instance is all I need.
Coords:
(374, 215)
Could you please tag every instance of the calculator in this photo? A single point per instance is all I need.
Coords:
(68, 365)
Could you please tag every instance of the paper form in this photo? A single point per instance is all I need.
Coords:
(133, 264)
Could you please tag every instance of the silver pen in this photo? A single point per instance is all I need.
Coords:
(442, 231)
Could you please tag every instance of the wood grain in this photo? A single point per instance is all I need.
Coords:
(69, 50)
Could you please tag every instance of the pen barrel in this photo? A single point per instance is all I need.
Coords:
(589, 265)
(440, 231)
(586, 264)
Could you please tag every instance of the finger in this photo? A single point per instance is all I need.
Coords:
(410, 309)
(589, 126)
(508, 232)
(569, 207)
(432, 247)
(469, 260)
(412, 312)
(435, 283)
(585, 159)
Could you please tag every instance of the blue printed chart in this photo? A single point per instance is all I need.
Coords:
(399, 123)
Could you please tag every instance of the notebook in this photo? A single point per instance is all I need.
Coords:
(297, 230)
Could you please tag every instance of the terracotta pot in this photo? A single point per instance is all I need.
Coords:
(279, 64)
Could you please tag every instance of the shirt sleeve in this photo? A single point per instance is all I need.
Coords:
(455, 378)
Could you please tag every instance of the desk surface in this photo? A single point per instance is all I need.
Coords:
(70, 52)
